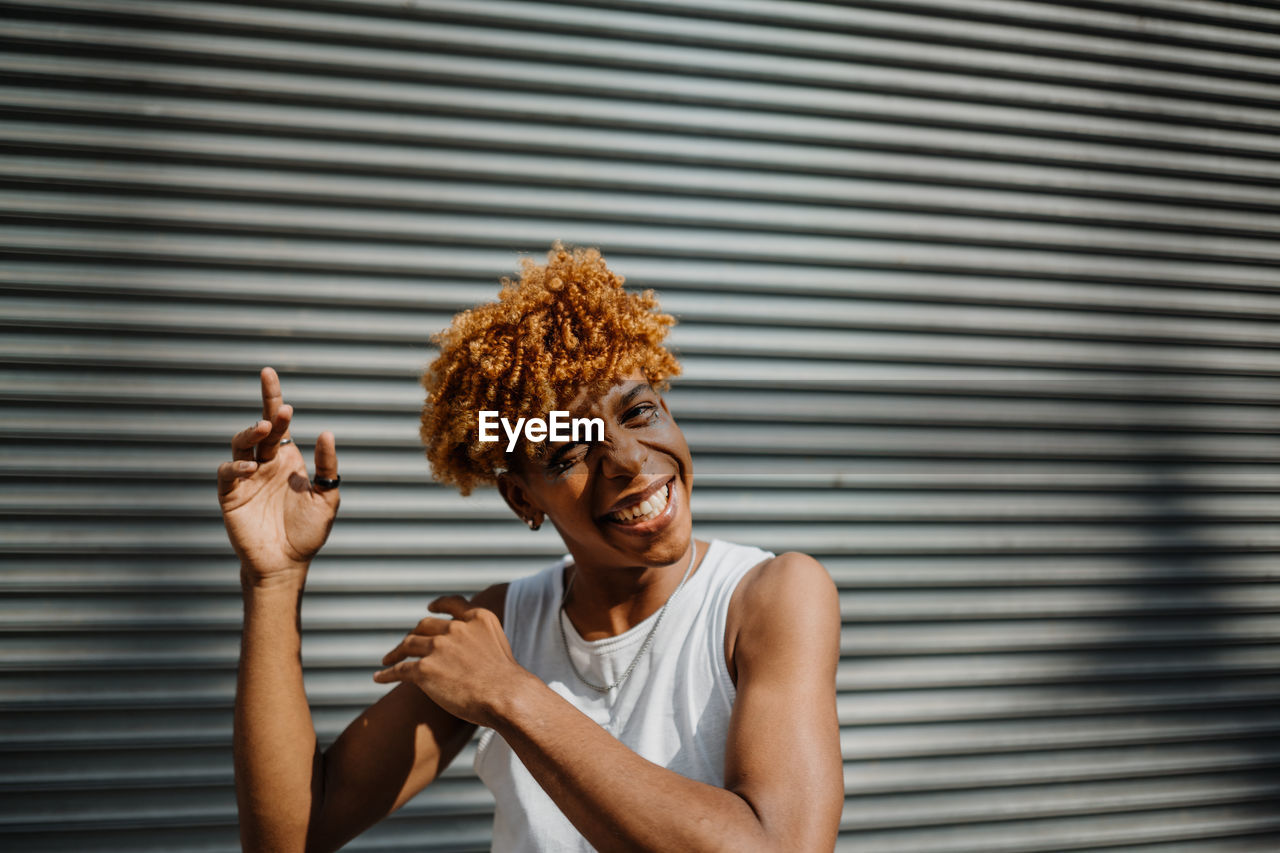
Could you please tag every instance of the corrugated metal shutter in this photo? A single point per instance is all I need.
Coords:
(978, 304)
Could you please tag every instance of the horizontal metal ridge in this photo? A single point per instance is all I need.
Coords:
(1042, 747)
(938, 573)
(852, 440)
(1117, 405)
(372, 540)
(217, 833)
(1133, 767)
(149, 500)
(712, 317)
(364, 467)
(996, 749)
(793, 390)
(808, 205)
(434, 113)
(1044, 835)
(854, 84)
(1094, 799)
(808, 227)
(763, 26)
(209, 340)
(1079, 632)
(1190, 611)
(318, 250)
(972, 704)
(160, 801)
(707, 289)
(996, 671)
(636, 160)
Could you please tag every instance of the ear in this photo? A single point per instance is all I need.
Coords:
(517, 497)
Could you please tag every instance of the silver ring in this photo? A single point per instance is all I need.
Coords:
(282, 442)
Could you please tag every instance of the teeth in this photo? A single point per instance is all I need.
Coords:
(647, 509)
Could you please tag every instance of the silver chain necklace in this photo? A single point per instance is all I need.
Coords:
(648, 640)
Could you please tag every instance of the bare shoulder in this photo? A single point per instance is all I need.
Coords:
(493, 598)
(786, 585)
(784, 605)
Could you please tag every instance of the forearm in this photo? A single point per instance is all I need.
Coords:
(278, 768)
(617, 799)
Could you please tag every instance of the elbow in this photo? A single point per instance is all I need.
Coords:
(284, 819)
(793, 831)
(257, 837)
(281, 839)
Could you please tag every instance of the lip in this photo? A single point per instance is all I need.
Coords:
(637, 498)
(654, 524)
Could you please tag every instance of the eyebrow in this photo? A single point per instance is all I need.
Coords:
(560, 452)
(639, 389)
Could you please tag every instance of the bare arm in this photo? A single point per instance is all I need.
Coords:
(291, 796)
(277, 764)
(276, 522)
(783, 788)
(388, 754)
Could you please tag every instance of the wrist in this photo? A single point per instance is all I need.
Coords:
(289, 580)
(514, 701)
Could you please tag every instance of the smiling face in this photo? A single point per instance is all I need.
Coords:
(622, 502)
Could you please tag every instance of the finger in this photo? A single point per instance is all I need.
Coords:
(400, 672)
(271, 397)
(430, 626)
(327, 465)
(242, 443)
(454, 605)
(411, 646)
(279, 429)
(326, 455)
(230, 473)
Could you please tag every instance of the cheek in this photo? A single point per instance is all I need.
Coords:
(562, 495)
(677, 444)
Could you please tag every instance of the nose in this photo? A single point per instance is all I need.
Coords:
(623, 456)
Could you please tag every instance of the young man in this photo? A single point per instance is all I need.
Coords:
(651, 691)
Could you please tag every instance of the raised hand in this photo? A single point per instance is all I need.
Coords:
(275, 517)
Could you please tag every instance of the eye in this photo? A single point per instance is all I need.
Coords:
(567, 460)
(641, 414)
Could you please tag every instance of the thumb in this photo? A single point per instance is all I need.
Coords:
(454, 605)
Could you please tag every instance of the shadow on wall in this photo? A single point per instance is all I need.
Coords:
(1202, 638)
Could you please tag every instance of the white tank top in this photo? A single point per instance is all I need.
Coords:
(673, 710)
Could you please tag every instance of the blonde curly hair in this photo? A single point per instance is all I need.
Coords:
(565, 326)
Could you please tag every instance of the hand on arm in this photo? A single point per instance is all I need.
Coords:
(783, 786)
(391, 751)
(462, 663)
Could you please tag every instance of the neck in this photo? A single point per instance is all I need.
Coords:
(604, 602)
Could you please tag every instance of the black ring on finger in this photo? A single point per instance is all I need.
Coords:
(324, 484)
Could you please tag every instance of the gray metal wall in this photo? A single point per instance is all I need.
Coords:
(978, 304)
